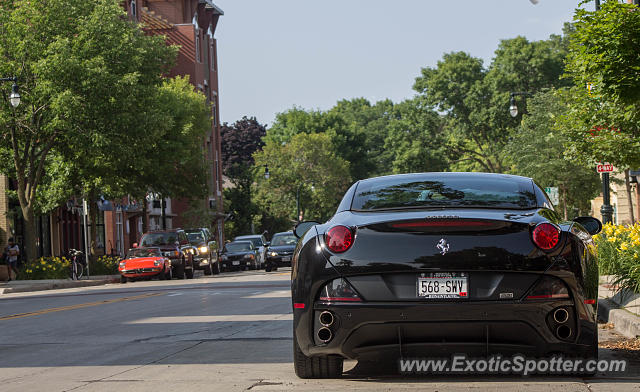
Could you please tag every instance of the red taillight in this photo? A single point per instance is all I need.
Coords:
(546, 236)
(339, 239)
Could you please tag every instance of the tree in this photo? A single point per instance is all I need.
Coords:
(537, 150)
(79, 63)
(415, 138)
(239, 142)
(308, 167)
(475, 100)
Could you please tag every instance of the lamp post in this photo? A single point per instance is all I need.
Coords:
(14, 97)
(513, 108)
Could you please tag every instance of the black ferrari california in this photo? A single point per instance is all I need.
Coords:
(433, 264)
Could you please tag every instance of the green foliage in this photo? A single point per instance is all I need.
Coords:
(104, 265)
(45, 268)
(537, 150)
(415, 137)
(307, 165)
(604, 125)
(619, 255)
(475, 100)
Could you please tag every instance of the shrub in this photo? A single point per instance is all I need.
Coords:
(619, 254)
(45, 268)
(104, 265)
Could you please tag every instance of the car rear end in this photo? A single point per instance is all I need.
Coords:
(418, 283)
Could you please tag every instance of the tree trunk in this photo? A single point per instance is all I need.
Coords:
(30, 238)
(628, 186)
(145, 215)
(564, 201)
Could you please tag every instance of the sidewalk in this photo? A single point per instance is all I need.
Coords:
(22, 286)
(622, 309)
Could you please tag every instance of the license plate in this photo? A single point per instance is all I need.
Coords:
(235, 262)
(443, 285)
(286, 258)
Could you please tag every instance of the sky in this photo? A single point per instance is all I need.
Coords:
(277, 54)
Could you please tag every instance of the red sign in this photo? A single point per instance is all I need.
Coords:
(604, 167)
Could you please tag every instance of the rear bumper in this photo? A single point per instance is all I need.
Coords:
(229, 264)
(369, 331)
(278, 260)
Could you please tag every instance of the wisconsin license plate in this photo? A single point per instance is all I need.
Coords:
(443, 285)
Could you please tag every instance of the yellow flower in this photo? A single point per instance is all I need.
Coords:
(612, 239)
(623, 246)
(596, 237)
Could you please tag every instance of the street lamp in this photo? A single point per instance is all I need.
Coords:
(14, 97)
(513, 108)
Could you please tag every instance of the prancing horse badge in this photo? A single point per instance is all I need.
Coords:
(443, 245)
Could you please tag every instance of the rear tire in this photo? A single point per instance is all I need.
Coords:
(189, 273)
(208, 270)
(179, 271)
(216, 268)
(123, 279)
(315, 367)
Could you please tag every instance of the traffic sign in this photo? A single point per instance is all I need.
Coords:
(552, 192)
(604, 167)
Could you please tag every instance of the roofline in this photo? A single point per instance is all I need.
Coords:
(446, 174)
(209, 4)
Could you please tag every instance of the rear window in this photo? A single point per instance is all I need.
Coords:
(453, 191)
(155, 239)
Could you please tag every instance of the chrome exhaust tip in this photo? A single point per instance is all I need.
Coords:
(561, 315)
(326, 318)
(563, 332)
(324, 334)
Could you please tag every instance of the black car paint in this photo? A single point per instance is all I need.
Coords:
(572, 261)
(227, 257)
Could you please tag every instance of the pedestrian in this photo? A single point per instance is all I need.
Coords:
(12, 252)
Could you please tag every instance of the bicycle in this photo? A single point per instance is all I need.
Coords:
(76, 267)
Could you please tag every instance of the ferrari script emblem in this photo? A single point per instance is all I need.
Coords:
(443, 245)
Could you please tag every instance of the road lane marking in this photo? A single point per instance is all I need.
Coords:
(212, 319)
(77, 306)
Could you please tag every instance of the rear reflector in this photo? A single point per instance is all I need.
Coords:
(298, 306)
(340, 299)
(590, 301)
(549, 287)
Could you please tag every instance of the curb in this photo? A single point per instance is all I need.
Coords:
(625, 322)
(60, 285)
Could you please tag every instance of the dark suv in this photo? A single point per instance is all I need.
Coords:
(175, 245)
(206, 256)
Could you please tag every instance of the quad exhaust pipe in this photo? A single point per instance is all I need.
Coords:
(563, 332)
(326, 318)
(324, 334)
(561, 315)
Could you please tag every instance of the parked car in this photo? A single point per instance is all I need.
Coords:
(239, 255)
(280, 250)
(174, 244)
(438, 263)
(260, 243)
(144, 263)
(206, 256)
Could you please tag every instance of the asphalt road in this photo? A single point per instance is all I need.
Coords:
(230, 332)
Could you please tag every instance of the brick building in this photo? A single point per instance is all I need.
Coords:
(192, 25)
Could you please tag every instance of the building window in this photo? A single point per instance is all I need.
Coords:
(100, 234)
(196, 28)
(134, 10)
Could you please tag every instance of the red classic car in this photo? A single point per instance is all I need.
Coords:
(144, 263)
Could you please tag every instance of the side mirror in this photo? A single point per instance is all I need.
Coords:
(592, 225)
(303, 227)
(267, 243)
(135, 244)
(176, 243)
